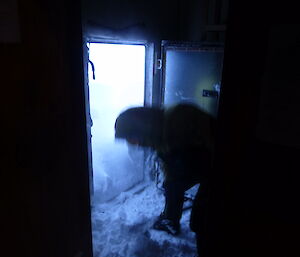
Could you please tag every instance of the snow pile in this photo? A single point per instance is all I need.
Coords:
(116, 168)
(123, 227)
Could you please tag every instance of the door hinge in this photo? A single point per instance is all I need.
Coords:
(158, 64)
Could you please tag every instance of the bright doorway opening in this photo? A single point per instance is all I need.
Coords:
(115, 84)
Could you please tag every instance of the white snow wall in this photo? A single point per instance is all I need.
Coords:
(118, 85)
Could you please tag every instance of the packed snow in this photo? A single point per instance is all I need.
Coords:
(111, 163)
(122, 227)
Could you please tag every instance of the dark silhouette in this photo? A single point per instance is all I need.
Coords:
(182, 137)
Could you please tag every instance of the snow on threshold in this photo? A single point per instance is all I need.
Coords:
(122, 227)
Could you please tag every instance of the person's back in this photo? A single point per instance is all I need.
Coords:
(187, 126)
(187, 142)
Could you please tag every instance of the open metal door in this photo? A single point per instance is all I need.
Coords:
(191, 72)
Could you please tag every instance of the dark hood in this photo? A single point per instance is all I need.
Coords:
(142, 123)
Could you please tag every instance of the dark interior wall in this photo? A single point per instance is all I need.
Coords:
(44, 180)
(257, 167)
(154, 20)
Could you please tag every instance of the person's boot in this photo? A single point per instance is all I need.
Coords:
(167, 225)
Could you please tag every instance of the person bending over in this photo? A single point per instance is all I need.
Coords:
(182, 138)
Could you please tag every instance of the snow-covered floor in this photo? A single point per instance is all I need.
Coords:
(123, 226)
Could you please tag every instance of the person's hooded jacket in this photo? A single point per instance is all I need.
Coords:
(182, 136)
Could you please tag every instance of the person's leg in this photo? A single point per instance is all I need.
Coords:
(174, 198)
(199, 218)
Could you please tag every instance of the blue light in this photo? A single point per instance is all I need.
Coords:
(119, 84)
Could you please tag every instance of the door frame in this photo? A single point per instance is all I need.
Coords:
(148, 87)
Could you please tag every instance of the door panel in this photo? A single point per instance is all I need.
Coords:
(192, 73)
